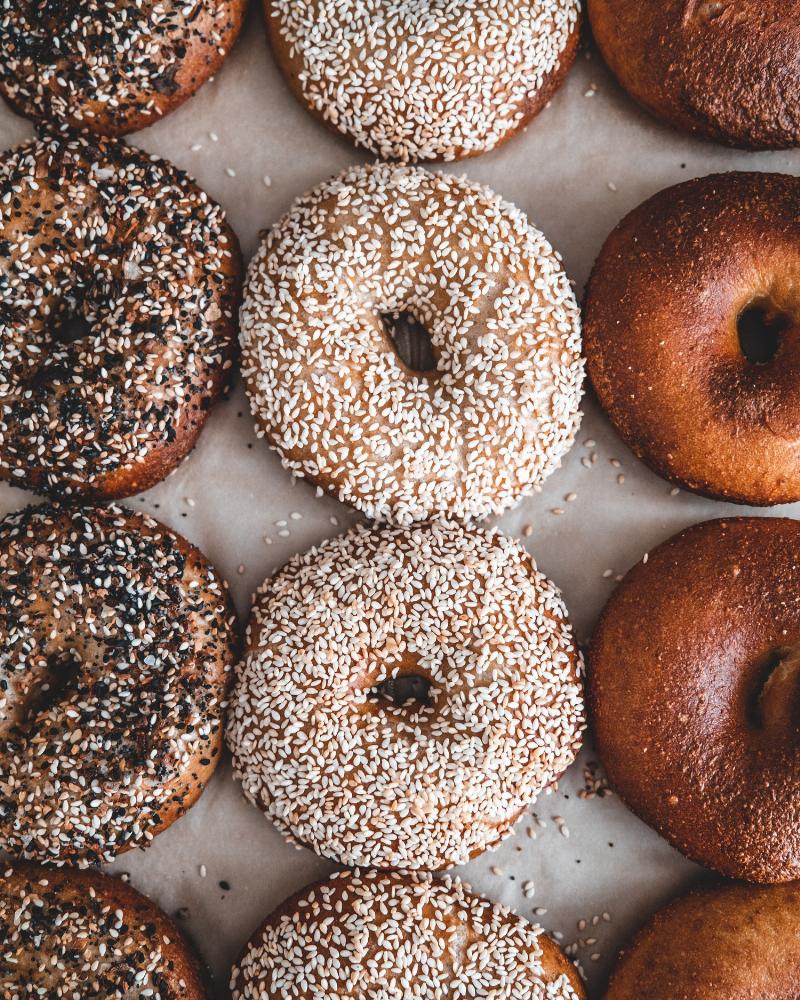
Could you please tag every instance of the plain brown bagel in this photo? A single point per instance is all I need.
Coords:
(692, 335)
(728, 70)
(694, 691)
(727, 942)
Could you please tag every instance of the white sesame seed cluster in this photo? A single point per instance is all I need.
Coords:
(110, 65)
(425, 785)
(96, 229)
(116, 644)
(422, 79)
(327, 387)
(84, 935)
(391, 938)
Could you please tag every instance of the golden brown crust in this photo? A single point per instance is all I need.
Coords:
(728, 70)
(292, 64)
(661, 318)
(694, 692)
(428, 922)
(55, 946)
(726, 942)
(112, 68)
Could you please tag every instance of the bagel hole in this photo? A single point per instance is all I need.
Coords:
(58, 678)
(411, 341)
(71, 328)
(777, 698)
(760, 327)
(402, 689)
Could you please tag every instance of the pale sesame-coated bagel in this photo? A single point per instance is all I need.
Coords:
(390, 937)
(695, 694)
(327, 387)
(728, 70)
(76, 933)
(725, 942)
(111, 66)
(692, 335)
(428, 80)
(117, 642)
(95, 231)
(405, 694)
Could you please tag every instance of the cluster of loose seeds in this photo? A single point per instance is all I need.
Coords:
(331, 394)
(83, 935)
(426, 80)
(460, 620)
(391, 938)
(110, 65)
(102, 231)
(116, 643)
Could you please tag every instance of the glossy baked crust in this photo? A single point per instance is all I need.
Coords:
(726, 942)
(728, 70)
(662, 314)
(694, 693)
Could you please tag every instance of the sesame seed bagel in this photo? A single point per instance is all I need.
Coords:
(118, 642)
(692, 335)
(68, 933)
(96, 232)
(695, 694)
(728, 70)
(727, 942)
(389, 936)
(331, 394)
(429, 80)
(405, 694)
(111, 66)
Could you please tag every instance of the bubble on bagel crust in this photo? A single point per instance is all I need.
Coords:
(91, 773)
(111, 60)
(327, 389)
(63, 940)
(370, 784)
(148, 259)
(425, 80)
(359, 935)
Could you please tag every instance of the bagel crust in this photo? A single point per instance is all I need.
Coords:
(118, 641)
(694, 692)
(94, 230)
(728, 70)
(425, 80)
(391, 936)
(329, 391)
(111, 66)
(68, 933)
(727, 942)
(662, 320)
(357, 776)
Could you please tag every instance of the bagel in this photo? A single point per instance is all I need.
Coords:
(404, 695)
(118, 642)
(727, 942)
(694, 693)
(69, 933)
(111, 66)
(727, 70)
(119, 287)
(329, 391)
(386, 935)
(692, 335)
(426, 80)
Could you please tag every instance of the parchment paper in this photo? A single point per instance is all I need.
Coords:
(588, 159)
